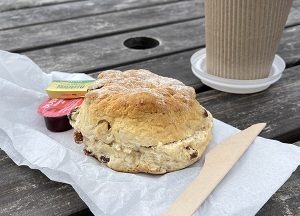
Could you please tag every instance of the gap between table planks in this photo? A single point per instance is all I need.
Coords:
(288, 49)
(165, 66)
(278, 106)
(76, 9)
(61, 12)
(108, 52)
(71, 10)
(74, 30)
(7, 5)
(178, 65)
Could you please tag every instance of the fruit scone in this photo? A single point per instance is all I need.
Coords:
(137, 121)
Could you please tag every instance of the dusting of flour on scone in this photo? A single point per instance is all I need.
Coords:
(137, 121)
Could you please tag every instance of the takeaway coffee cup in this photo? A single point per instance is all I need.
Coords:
(242, 36)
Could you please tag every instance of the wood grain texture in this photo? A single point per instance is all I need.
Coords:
(54, 33)
(109, 52)
(289, 47)
(92, 55)
(59, 12)
(164, 66)
(294, 16)
(286, 201)
(74, 9)
(176, 66)
(278, 106)
(29, 192)
(296, 3)
(32, 37)
(6, 5)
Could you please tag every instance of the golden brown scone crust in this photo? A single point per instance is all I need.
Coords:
(137, 121)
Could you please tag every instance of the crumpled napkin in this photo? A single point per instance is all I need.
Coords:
(258, 174)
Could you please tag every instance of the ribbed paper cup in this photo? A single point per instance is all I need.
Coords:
(242, 36)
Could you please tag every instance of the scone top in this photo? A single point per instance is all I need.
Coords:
(134, 92)
(140, 108)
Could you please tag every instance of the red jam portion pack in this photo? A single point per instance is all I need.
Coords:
(58, 107)
(55, 112)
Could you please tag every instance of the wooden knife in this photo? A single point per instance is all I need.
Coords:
(218, 162)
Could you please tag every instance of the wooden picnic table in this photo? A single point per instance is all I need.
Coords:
(87, 36)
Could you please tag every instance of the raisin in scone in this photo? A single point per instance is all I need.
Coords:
(137, 121)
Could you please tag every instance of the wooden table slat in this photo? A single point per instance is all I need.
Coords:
(108, 52)
(59, 12)
(36, 36)
(289, 47)
(296, 3)
(164, 66)
(53, 33)
(8, 5)
(43, 35)
(176, 66)
(79, 8)
(278, 106)
(294, 16)
(29, 192)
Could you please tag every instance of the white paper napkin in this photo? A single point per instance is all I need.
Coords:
(257, 175)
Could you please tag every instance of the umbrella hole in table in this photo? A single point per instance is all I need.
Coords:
(141, 43)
